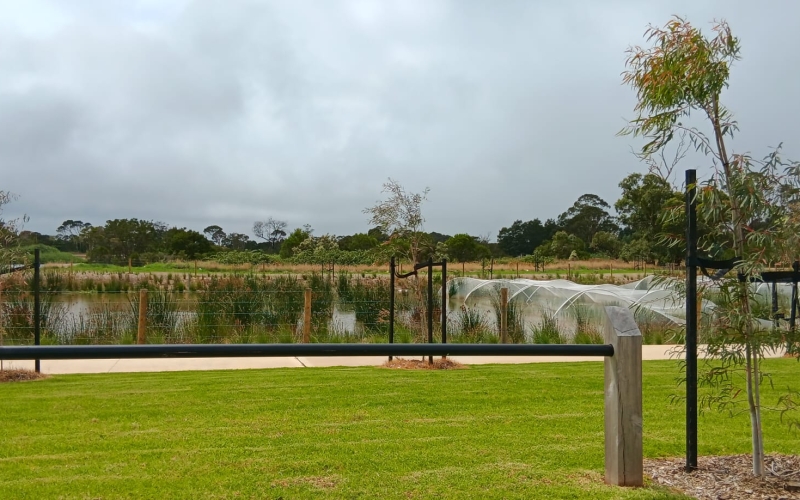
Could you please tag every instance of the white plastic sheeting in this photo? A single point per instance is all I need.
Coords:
(568, 303)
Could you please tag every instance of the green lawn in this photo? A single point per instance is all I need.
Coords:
(513, 431)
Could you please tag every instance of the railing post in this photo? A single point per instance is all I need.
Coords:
(623, 399)
(391, 302)
(504, 315)
(444, 301)
(307, 317)
(430, 305)
(37, 305)
(141, 334)
(691, 321)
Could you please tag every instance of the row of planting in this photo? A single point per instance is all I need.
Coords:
(258, 308)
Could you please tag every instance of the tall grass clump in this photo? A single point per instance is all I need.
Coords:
(588, 324)
(225, 307)
(471, 326)
(547, 331)
(655, 329)
(102, 323)
(322, 298)
(162, 316)
(17, 307)
(369, 298)
(236, 308)
(515, 321)
(285, 300)
(344, 290)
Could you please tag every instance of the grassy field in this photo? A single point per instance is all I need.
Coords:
(518, 431)
(507, 268)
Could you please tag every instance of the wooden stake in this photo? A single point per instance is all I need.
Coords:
(504, 315)
(307, 317)
(129, 266)
(140, 337)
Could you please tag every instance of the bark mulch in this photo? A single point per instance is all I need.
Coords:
(20, 375)
(416, 364)
(729, 477)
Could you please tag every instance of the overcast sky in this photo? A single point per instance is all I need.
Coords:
(226, 112)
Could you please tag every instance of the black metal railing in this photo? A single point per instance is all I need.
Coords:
(291, 350)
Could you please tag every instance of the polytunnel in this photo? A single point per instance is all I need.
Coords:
(657, 305)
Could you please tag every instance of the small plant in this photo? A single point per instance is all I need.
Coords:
(470, 326)
(161, 314)
(515, 322)
(547, 331)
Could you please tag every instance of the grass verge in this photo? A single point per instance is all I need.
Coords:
(508, 431)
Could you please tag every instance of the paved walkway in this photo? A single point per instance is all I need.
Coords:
(649, 352)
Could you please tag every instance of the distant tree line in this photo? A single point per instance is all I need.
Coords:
(632, 230)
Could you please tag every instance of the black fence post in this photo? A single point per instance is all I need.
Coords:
(37, 306)
(691, 321)
(774, 291)
(792, 313)
(430, 306)
(391, 302)
(444, 301)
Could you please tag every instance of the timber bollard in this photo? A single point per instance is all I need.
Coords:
(140, 337)
(504, 315)
(307, 317)
(623, 400)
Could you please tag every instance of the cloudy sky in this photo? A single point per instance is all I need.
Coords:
(229, 111)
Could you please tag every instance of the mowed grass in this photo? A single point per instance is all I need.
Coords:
(510, 431)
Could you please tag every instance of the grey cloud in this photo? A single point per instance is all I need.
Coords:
(212, 112)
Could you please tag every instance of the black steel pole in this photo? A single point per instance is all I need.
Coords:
(391, 302)
(430, 306)
(775, 303)
(691, 321)
(793, 313)
(444, 301)
(150, 351)
(37, 306)
(793, 308)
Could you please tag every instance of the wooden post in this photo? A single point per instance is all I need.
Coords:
(504, 315)
(623, 399)
(130, 265)
(140, 337)
(307, 318)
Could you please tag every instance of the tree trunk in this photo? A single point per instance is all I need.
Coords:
(752, 365)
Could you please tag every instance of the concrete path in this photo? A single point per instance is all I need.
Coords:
(649, 352)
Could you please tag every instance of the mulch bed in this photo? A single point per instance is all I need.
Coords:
(416, 364)
(729, 477)
(20, 375)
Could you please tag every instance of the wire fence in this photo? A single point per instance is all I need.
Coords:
(103, 308)
(217, 309)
